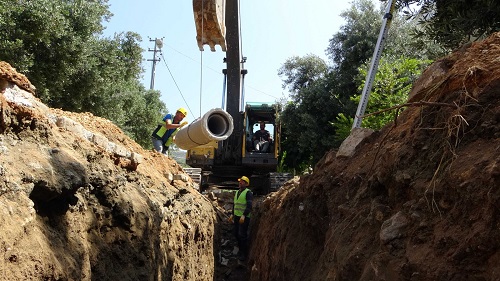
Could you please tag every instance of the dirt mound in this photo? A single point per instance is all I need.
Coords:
(419, 200)
(82, 201)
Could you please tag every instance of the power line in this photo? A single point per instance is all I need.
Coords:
(216, 71)
(175, 82)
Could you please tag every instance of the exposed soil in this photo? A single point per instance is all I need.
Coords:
(417, 200)
(82, 201)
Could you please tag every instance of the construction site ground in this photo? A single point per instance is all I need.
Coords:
(417, 200)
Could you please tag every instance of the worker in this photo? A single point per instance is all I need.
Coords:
(261, 139)
(242, 210)
(164, 134)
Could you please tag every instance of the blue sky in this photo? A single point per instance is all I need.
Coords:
(272, 32)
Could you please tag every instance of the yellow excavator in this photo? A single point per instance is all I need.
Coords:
(223, 161)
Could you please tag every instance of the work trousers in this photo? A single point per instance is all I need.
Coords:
(241, 232)
(261, 146)
(158, 145)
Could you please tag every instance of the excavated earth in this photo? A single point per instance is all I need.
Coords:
(417, 200)
(79, 200)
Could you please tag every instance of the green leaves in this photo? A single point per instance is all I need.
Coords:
(454, 23)
(392, 84)
(301, 72)
(324, 97)
(57, 45)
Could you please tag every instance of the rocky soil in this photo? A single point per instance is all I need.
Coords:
(417, 200)
(82, 201)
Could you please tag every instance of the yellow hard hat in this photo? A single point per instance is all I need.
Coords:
(243, 178)
(183, 111)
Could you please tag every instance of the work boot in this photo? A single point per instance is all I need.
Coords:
(242, 262)
(241, 257)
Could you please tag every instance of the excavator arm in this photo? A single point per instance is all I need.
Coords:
(209, 17)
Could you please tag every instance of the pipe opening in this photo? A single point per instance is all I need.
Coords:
(218, 125)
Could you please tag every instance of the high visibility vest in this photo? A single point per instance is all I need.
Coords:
(164, 134)
(171, 137)
(240, 203)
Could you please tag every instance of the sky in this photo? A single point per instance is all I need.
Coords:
(272, 31)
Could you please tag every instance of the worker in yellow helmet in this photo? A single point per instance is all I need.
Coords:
(164, 134)
(242, 210)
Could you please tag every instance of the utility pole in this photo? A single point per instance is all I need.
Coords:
(157, 48)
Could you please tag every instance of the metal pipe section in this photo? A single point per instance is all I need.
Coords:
(216, 125)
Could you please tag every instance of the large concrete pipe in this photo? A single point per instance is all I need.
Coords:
(216, 125)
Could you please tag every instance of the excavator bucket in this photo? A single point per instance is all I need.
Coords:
(209, 18)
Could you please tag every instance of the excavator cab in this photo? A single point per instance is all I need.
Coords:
(251, 133)
(257, 113)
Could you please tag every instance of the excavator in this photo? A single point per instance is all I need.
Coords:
(223, 160)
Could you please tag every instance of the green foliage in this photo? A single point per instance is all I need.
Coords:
(392, 84)
(343, 126)
(454, 23)
(353, 45)
(281, 163)
(57, 45)
(355, 41)
(307, 133)
(319, 116)
(320, 93)
(301, 72)
(391, 87)
(142, 110)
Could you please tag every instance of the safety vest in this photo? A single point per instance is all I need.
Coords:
(164, 134)
(240, 203)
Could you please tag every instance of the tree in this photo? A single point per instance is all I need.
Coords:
(305, 138)
(320, 92)
(354, 43)
(453, 23)
(299, 72)
(319, 116)
(144, 111)
(392, 84)
(57, 45)
(306, 132)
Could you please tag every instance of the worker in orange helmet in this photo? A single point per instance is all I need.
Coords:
(242, 210)
(164, 134)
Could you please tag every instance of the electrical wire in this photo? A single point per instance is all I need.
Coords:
(175, 82)
(201, 58)
(192, 59)
(214, 70)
